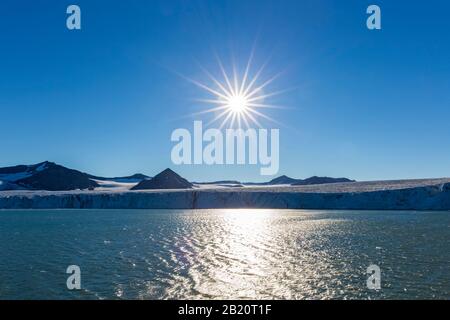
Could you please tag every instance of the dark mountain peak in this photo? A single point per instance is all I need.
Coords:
(45, 176)
(169, 175)
(167, 171)
(26, 169)
(322, 180)
(166, 179)
(312, 180)
(46, 162)
(41, 166)
(283, 180)
(54, 177)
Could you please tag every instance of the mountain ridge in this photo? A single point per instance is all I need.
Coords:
(54, 177)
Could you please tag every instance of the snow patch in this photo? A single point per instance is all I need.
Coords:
(42, 167)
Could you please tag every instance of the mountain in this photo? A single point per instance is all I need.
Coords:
(300, 182)
(283, 180)
(321, 180)
(44, 176)
(167, 179)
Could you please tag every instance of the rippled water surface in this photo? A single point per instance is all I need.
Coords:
(219, 254)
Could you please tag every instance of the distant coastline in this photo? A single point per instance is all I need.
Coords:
(424, 194)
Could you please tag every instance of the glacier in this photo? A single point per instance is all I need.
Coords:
(424, 194)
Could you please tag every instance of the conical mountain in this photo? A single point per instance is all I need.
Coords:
(167, 179)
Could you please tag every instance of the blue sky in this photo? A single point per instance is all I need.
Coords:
(364, 104)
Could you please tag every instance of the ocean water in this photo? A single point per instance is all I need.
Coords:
(224, 254)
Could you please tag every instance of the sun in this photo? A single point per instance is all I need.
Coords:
(237, 100)
(237, 103)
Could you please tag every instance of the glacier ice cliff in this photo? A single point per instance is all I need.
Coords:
(431, 194)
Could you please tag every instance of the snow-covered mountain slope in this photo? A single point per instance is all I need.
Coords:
(16, 173)
(115, 185)
(135, 178)
(44, 176)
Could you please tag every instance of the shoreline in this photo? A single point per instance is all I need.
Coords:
(420, 195)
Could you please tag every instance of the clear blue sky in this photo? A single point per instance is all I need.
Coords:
(366, 104)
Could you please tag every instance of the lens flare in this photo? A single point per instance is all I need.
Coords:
(235, 100)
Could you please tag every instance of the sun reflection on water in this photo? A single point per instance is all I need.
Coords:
(252, 254)
(246, 235)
